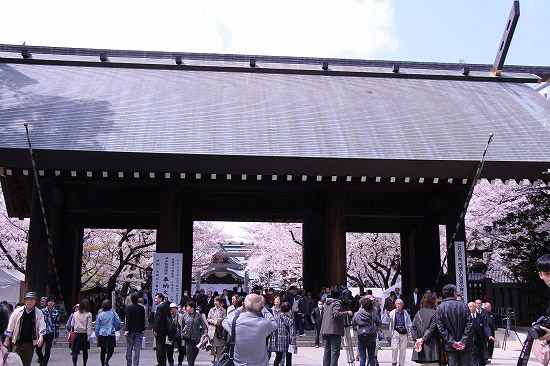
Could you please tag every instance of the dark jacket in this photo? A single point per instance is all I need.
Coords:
(481, 330)
(160, 323)
(333, 317)
(411, 305)
(317, 317)
(454, 324)
(363, 318)
(301, 304)
(135, 318)
(492, 323)
(424, 326)
(389, 304)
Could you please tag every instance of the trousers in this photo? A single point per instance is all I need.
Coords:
(332, 343)
(398, 348)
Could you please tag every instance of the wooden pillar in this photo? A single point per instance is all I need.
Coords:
(186, 247)
(408, 258)
(168, 233)
(420, 257)
(315, 268)
(67, 245)
(36, 275)
(336, 236)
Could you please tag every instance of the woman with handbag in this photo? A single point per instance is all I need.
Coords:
(194, 327)
(105, 326)
(215, 330)
(367, 322)
(82, 325)
(284, 336)
(424, 333)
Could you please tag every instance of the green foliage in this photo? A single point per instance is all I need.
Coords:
(523, 236)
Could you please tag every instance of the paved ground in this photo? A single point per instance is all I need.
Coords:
(306, 357)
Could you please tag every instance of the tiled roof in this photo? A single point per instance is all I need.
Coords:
(264, 114)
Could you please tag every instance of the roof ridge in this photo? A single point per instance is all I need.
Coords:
(68, 51)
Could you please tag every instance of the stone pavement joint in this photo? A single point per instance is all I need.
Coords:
(307, 356)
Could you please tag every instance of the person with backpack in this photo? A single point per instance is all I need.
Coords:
(283, 336)
(173, 337)
(299, 309)
(106, 324)
(366, 322)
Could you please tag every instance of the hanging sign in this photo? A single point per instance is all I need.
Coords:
(460, 263)
(167, 273)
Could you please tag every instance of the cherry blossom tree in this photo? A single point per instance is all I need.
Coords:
(277, 254)
(490, 203)
(206, 239)
(373, 259)
(13, 239)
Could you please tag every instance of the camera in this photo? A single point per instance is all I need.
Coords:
(535, 331)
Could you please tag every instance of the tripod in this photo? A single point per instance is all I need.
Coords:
(507, 333)
(348, 342)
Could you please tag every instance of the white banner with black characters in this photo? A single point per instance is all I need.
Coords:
(167, 273)
(460, 263)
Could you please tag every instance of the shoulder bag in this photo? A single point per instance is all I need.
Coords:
(227, 357)
(186, 333)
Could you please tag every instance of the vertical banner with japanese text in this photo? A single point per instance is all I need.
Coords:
(461, 277)
(167, 273)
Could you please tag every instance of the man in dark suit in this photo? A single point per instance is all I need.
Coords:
(209, 304)
(160, 327)
(481, 334)
(485, 319)
(493, 327)
(135, 325)
(413, 303)
(454, 324)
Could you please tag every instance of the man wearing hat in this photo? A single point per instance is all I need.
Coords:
(26, 329)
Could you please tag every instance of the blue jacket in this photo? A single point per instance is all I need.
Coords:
(107, 323)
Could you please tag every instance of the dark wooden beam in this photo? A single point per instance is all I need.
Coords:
(506, 39)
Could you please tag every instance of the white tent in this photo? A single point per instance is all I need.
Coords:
(11, 285)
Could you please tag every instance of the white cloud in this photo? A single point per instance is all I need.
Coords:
(322, 28)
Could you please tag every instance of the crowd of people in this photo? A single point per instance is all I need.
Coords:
(261, 327)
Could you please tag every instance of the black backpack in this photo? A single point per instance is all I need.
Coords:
(174, 330)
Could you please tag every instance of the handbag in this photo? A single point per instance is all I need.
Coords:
(186, 332)
(227, 357)
(70, 338)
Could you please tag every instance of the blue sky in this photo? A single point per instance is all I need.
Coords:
(420, 30)
(446, 31)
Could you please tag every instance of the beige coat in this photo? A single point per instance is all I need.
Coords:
(213, 315)
(14, 324)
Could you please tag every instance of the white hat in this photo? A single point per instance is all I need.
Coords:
(173, 305)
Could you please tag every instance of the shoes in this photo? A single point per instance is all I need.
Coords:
(317, 346)
(302, 335)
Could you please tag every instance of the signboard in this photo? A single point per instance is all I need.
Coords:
(167, 273)
(460, 262)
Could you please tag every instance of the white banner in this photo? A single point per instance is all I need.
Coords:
(460, 263)
(167, 273)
